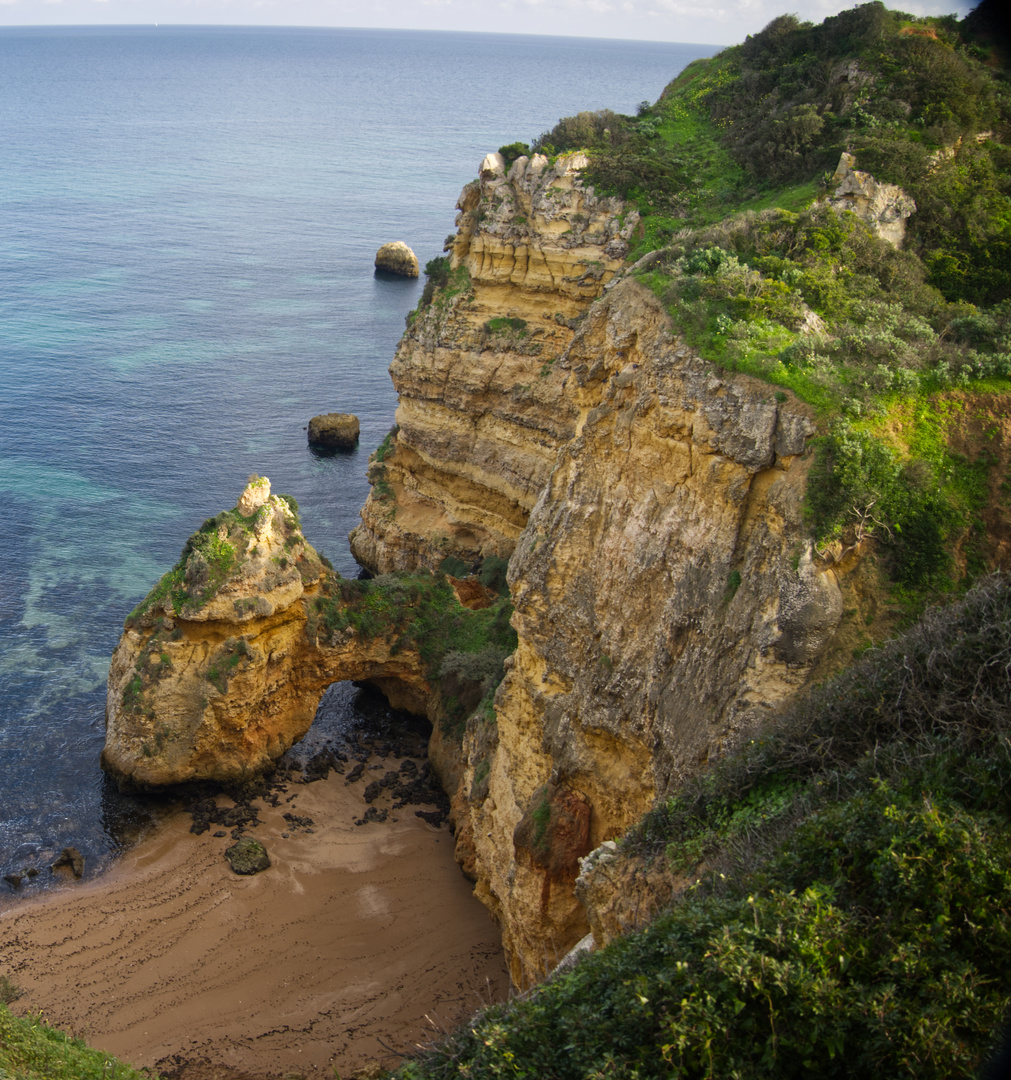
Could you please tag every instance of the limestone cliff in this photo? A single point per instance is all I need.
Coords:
(666, 601)
(667, 597)
(221, 667)
(481, 412)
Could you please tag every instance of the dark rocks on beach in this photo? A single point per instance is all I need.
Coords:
(355, 773)
(206, 813)
(70, 859)
(247, 856)
(319, 765)
(334, 431)
(14, 880)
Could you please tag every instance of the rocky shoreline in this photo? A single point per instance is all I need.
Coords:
(331, 958)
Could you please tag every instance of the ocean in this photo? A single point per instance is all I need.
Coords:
(188, 222)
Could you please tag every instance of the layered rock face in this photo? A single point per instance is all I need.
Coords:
(666, 601)
(217, 672)
(481, 412)
(885, 207)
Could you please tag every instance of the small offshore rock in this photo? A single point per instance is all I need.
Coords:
(247, 856)
(71, 859)
(337, 431)
(397, 258)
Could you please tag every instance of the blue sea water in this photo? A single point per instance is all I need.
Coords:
(188, 219)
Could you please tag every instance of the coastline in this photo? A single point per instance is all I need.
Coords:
(359, 942)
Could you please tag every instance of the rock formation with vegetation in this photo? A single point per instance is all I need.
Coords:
(727, 385)
(220, 668)
(752, 430)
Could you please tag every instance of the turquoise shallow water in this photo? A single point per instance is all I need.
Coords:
(188, 219)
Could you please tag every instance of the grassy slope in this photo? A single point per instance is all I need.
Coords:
(31, 1050)
(853, 877)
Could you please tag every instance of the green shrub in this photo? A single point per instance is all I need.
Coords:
(513, 151)
(31, 1050)
(586, 129)
(503, 323)
(387, 447)
(9, 990)
(454, 567)
(293, 507)
(492, 574)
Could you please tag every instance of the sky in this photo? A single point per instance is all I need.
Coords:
(719, 22)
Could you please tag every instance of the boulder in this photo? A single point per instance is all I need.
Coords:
(70, 860)
(334, 431)
(397, 258)
(884, 207)
(247, 856)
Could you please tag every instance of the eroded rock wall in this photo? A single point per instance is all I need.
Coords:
(481, 410)
(666, 601)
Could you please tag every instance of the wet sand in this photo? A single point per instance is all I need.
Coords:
(359, 942)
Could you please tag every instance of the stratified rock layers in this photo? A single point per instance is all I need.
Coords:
(666, 595)
(481, 412)
(666, 602)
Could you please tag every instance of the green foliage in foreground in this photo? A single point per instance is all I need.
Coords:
(853, 885)
(31, 1050)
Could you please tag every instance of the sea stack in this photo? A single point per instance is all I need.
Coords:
(334, 431)
(397, 258)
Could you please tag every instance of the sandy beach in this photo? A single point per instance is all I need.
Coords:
(358, 943)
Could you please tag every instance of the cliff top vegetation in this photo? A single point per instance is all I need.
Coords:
(897, 348)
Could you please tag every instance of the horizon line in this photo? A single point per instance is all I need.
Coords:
(56, 27)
